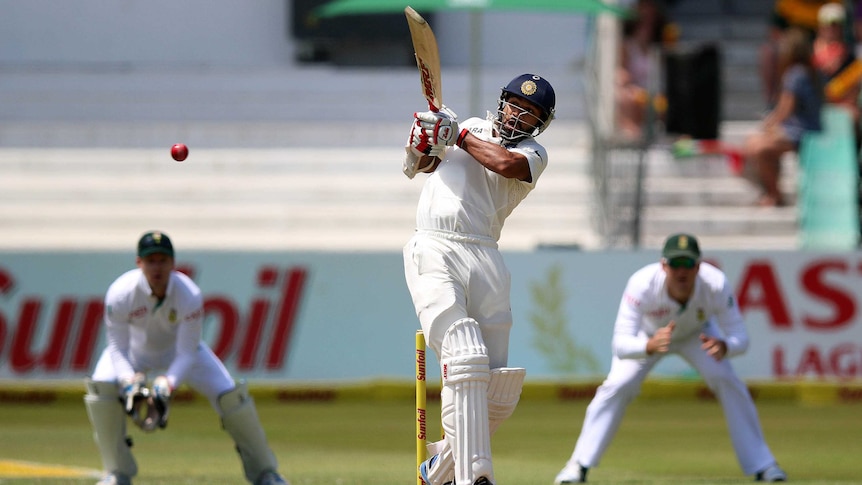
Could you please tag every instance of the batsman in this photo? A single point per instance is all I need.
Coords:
(478, 170)
(153, 319)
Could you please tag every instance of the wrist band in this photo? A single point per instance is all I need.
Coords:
(461, 137)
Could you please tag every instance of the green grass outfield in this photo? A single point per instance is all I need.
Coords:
(364, 435)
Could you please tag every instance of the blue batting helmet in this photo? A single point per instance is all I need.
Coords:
(534, 89)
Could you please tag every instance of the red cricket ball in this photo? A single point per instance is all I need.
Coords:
(179, 152)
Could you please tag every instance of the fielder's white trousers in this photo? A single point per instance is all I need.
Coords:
(623, 384)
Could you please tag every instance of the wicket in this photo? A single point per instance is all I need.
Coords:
(421, 402)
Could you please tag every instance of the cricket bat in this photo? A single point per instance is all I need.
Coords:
(427, 58)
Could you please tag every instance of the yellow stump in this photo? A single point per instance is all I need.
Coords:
(421, 401)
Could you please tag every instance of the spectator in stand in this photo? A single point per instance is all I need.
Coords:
(638, 68)
(832, 53)
(802, 14)
(857, 27)
(834, 56)
(796, 112)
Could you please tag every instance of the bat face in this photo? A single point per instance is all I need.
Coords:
(427, 58)
(428, 84)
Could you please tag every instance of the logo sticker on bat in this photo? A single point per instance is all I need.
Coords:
(427, 81)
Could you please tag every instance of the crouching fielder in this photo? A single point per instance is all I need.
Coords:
(153, 318)
(479, 172)
(679, 305)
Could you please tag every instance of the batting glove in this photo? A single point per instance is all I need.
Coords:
(422, 144)
(412, 158)
(419, 140)
(440, 127)
(438, 151)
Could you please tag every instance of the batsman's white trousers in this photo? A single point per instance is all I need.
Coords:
(208, 376)
(452, 279)
(623, 384)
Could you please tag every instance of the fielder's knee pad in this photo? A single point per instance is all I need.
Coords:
(108, 419)
(239, 418)
(464, 400)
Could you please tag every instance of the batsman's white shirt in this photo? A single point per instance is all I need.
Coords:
(452, 265)
(646, 307)
(145, 334)
(465, 198)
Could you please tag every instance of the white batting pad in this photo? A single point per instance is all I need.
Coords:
(240, 420)
(504, 392)
(464, 400)
(109, 427)
(443, 470)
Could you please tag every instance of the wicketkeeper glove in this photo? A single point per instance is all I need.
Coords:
(133, 391)
(159, 403)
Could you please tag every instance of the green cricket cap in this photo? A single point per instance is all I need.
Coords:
(155, 242)
(681, 245)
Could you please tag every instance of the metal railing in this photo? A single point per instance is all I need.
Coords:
(618, 166)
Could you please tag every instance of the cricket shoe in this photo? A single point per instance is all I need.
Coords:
(425, 466)
(483, 481)
(270, 477)
(115, 479)
(571, 475)
(773, 473)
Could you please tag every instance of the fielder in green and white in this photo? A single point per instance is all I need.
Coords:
(680, 305)
(153, 319)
